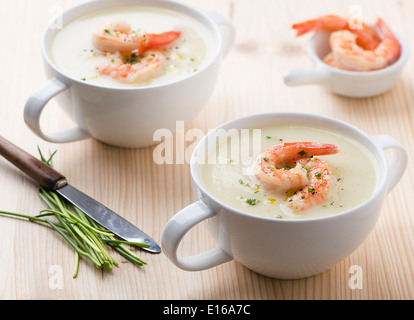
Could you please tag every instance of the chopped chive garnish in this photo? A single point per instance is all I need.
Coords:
(266, 159)
(252, 202)
(311, 189)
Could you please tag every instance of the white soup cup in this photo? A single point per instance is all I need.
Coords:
(126, 117)
(283, 248)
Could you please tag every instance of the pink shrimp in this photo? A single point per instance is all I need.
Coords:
(348, 55)
(137, 69)
(279, 167)
(321, 185)
(118, 36)
(366, 36)
(353, 48)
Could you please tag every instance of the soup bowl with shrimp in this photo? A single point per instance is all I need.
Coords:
(122, 69)
(287, 195)
(352, 62)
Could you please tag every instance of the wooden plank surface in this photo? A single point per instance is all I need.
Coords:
(148, 194)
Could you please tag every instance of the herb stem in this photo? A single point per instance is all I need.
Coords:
(23, 216)
(74, 246)
(77, 259)
(138, 244)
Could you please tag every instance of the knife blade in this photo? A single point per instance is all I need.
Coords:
(107, 218)
(52, 180)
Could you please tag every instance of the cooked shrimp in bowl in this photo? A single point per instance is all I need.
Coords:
(133, 46)
(117, 36)
(292, 168)
(276, 175)
(130, 56)
(355, 47)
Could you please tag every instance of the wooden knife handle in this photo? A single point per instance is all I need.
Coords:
(43, 174)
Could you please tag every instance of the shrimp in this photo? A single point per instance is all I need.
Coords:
(129, 56)
(354, 48)
(367, 38)
(348, 55)
(118, 36)
(138, 68)
(279, 167)
(321, 187)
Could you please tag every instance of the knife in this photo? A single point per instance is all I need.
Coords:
(52, 180)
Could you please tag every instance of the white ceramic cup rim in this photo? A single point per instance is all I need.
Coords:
(197, 14)
(368, 74)
(379, 156)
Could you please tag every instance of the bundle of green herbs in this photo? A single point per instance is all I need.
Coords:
(86, 237)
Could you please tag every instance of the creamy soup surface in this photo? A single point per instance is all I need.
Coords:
(74, 54)
(232, 181)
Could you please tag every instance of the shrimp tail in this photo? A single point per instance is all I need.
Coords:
(382, 29)
(304, 27)
(326, 23)
(315, 149)
(162, 39)
(385, 33)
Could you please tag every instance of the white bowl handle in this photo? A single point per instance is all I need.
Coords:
(227, 30)
(177, 228)
(305, 77)
(398, 161)
(34, 108)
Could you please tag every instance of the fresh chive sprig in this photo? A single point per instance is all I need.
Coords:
(88, 239)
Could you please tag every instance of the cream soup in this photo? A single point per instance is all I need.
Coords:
(232, 181)
(74, 54)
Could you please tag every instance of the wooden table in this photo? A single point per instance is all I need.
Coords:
(148, 194)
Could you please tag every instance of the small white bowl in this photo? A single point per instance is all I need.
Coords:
(352, 84)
